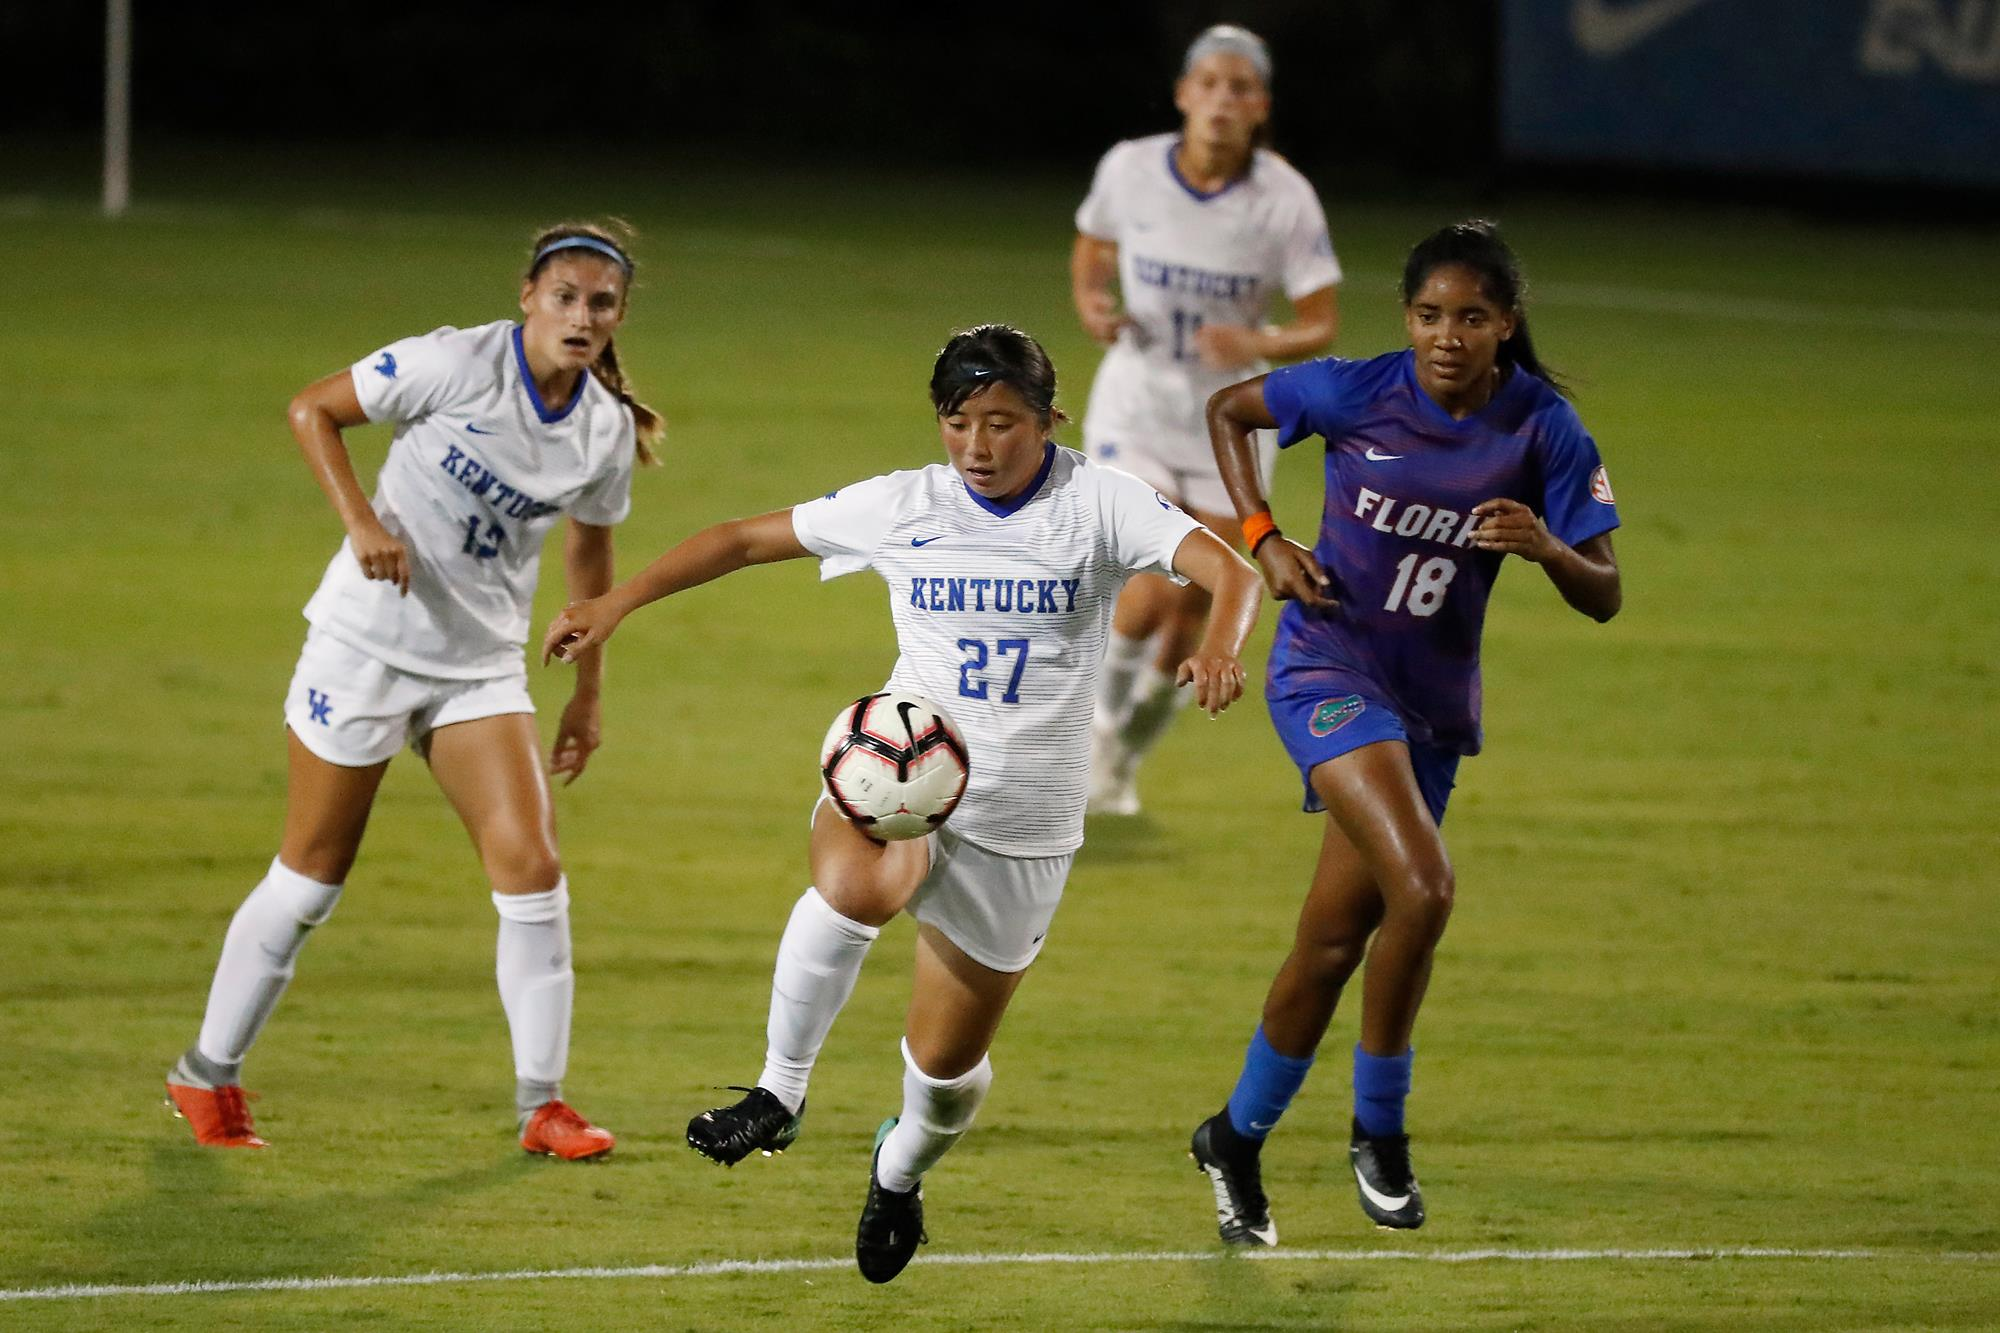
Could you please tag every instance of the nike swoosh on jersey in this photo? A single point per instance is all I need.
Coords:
(1375, 457)
(476, 431)
(926, 541)
(1389, 1201)
(1605, 30)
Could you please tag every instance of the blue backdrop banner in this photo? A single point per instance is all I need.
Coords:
(1877, 89)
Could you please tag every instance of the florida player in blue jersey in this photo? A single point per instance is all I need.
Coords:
(1441, 460)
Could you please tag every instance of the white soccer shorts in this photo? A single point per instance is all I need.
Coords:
(352, 709)
(996, 908)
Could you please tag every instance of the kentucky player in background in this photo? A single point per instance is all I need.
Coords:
(1002, 569)
(1440, 460)
(1198, 230)
(416, 636)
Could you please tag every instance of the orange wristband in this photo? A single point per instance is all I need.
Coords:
(1257, 527)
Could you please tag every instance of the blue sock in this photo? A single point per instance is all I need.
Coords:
(1264, 1089)
(1381, 1082)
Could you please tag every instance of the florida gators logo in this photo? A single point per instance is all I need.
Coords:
(1334, 714)
(1600, 486)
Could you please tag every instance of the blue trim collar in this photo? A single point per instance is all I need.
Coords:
(1004, 508)
(1203, 196)
(535, 395)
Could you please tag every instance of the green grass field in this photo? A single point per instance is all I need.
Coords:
(1722, 974)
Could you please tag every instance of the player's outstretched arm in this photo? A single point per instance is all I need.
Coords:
(1215, 669)
(319, 412)
(702, 558)
(1586, 574)
(1289, 568)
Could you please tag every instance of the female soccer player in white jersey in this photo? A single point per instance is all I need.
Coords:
(1002, 569)
(416, 636)
(1197, 230)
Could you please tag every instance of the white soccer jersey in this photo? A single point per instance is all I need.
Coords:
(1186, 259)
(477, 474)
(1001, 614)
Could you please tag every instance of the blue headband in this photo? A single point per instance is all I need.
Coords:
(605, 248)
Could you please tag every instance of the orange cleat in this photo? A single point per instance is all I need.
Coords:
(555, 1130)
(219, 1117)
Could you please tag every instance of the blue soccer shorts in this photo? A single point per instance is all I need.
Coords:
(1323, 714)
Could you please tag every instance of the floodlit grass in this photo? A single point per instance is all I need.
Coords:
(1722, 971)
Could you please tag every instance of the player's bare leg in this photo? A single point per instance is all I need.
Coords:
(1372, 794)
(858, 884)
(956, 1005)
(326, 813)
(490, 769)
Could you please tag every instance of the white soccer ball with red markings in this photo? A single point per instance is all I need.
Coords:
(894, 764)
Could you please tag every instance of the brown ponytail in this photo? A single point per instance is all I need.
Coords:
(649, 427)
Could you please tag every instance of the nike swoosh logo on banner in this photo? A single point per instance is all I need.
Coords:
(1374, 456)
(926, 541)
(1390, 1202)
(1604, 30)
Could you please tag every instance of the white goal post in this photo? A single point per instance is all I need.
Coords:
(117, 106)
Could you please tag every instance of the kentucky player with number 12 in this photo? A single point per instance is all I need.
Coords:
(1002, 570)
(1440, 461)
(417, 629)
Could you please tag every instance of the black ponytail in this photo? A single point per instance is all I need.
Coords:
(1476, 244)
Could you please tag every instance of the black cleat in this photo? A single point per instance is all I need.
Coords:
(892, 1224)
(1385, 1180)
(758, 1123)
(1242, 1213)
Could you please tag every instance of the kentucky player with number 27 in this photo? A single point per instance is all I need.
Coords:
(1002, 569)
(1440, 461)
(417, 629)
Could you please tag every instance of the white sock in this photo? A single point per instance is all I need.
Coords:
(531, 961)
(1156, 702)
(819, 960)
(936, 1111)
(257, 954)
(1122, 659)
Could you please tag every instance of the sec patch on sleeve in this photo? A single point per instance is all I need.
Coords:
(1600, 486)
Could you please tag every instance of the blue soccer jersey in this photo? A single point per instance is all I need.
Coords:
(1396, 534)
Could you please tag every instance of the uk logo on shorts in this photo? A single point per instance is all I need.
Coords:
(321, 705)
(1600, 486)
(1334, 714)
(386, 367)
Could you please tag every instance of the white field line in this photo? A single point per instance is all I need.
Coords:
(728, 1267)
(1598, 296)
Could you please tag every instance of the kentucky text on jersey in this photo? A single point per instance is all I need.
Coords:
(476, 477)
(1194, 281)
(1405, 518)
(1028, 597)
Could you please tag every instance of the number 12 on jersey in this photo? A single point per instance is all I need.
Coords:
(976, 658)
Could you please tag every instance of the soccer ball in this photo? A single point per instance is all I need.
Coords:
(894, 764)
